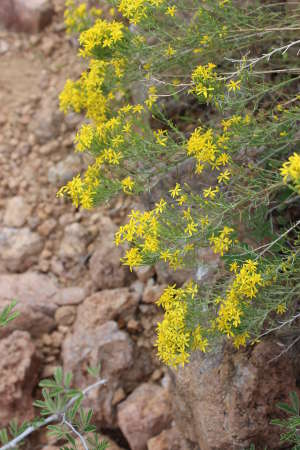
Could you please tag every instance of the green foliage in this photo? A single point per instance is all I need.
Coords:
(292, 424)
(8, 314)
(13, 431)
(62, 413)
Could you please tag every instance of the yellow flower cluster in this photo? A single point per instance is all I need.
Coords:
(141, 230)
(79, 17)
(86, 93)
(152, 97)
(78, 192)
(84, 138)
(221, 244)
(137, 10)
(127, 185)
(199, 342)
(174, 339)
(71, 97)
(290, 171)
(133, 258)
(102, 34)
(74, 16)
(242, 289)
(106, 139)
(205, 81)
(208, 151)
(240, 340)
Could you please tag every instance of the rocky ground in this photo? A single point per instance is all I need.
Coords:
(78, 305)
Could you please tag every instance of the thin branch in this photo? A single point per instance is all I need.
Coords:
(283, 324)
(254, 61)
(30, 430)
(278, 239)
(76, 433)
(54, 418)
(285, 350)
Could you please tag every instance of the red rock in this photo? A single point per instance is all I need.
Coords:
(89, 346)
(106, 305)
(225, 400)
(16, 213)
(35, 294)
(26, 15)
(169, 439)
(107, 271)
(19, 248)
(144, 414)
(153, 291)
(18, 377)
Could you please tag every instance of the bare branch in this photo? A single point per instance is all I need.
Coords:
(77, 434)
(282, 324)
(286, 349)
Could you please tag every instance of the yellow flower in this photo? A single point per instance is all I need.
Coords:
(281, 308)
(205, 40)
(205, 80)
(138, 109)
(161, 137)
(204, 221)
(102, 34)
(175, 191)
(222, 3)
(127, 127)
(71, 97)
(84, 138)
(191, 228)
(170, 51)
(165, 255)
(96, 12)
(182, 199)
(86, 199)
(239, 340)
(133, 258)
(202, 147)
(127, 185)
(75, 16)
(243, 288)
(161, 206)
(290, 171)
(111, 156)
(210, 192)
(221, 244)
(199, 342)
(136, 10)
(223, 159)
(152, 97)
(233, 85)
(173, 338)
(224, 177)
(234, 267)
(171, 11)
(74, 189)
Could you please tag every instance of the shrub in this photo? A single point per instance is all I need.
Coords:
(212, 84)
